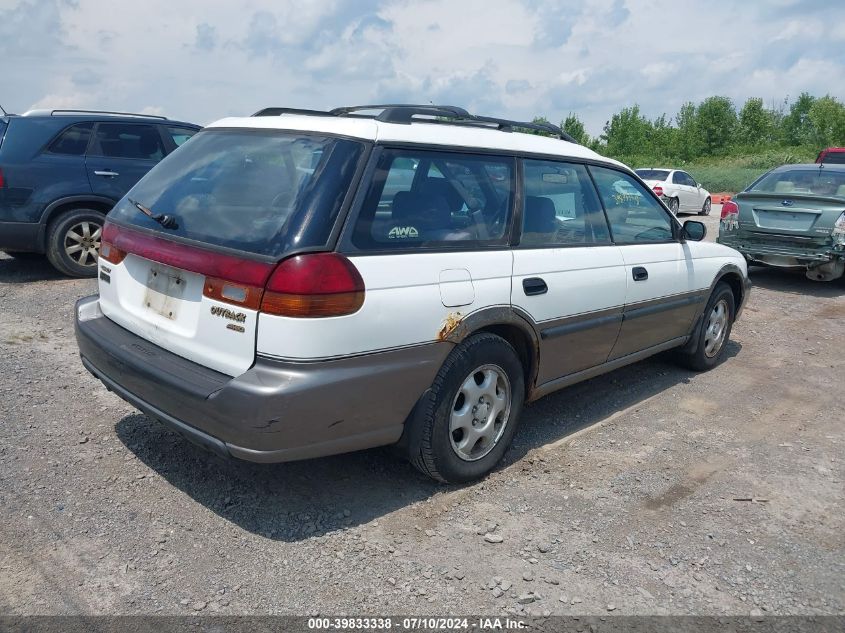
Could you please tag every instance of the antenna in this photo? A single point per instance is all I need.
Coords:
(3, 111)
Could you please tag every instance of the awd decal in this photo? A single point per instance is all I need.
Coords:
(402, 232)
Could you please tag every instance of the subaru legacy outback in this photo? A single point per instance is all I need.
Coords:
(302, 283)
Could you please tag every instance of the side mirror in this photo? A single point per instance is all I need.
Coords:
(694, 230)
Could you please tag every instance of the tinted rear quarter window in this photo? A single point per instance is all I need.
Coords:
(127, 140)
(427, 199)
(180, 134)
(73, 141)
(257, 192)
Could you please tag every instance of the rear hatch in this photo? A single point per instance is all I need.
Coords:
(238, 202)
(798, 206)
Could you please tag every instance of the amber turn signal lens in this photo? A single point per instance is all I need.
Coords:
(337, 304)
(111, 254)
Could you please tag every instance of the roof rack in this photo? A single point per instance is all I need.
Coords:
(443, 114)
(106, 112)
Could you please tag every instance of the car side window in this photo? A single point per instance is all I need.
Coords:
(127, 140)
(180, 134)
(560, 206)
(687, 179)
(678, 178)
(427, 199)
(73, 141)
(635, 216)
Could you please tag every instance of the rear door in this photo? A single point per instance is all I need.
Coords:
(662, 293)
(567, 274)
(686, 195)
(120, 155)
(431, 243)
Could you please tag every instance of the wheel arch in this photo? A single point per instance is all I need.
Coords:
(62, 205)
(512, 325)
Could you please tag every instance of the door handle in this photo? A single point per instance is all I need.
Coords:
(107, 173)
(534, 286)
(639, 273)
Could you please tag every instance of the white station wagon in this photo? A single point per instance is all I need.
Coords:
(301, 283)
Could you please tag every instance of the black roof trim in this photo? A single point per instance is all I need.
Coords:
(404, 113)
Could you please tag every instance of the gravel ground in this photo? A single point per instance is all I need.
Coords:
(650, 490)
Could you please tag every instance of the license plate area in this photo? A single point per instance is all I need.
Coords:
(165, 290)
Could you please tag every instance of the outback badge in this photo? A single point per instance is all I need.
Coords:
(226, 313)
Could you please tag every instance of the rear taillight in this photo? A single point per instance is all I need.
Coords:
(838, 233)
(658, 190)
(310, 285)
(2, 180)
(730, 208)
(314, 285)
(108, 251)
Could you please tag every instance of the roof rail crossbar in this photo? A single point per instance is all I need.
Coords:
(280, 111)
(110, 113)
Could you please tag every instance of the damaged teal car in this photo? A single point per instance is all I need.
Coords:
(791, 217)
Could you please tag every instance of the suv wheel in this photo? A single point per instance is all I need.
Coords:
(73, 242)
(470, 414)
(714, 331)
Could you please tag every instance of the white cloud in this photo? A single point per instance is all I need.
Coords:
(200, 60)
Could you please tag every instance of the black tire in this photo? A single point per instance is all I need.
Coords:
(63, 234)
(674, 206)
(696, 355)
(431, 447)
(705, 210)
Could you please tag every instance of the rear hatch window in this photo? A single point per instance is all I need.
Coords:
(813, 182)
(254, 191)
(652, 174)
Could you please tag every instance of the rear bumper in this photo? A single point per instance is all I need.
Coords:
(755, 250)
(20, 236)
(277, 410)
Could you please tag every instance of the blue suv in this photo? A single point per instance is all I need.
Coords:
(61, 171)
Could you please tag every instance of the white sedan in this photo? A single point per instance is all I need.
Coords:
(677, 189)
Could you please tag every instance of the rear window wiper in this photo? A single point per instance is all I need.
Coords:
(167, 221)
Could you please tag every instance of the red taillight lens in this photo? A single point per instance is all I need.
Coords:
(111, 253)
(729, 208)
(658, 190)
(314, 285)
(2, 180)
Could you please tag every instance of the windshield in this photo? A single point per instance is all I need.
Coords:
(652, 174)
(255, 191)
(817, 182)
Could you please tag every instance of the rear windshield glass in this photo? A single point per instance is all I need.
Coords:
(817, 182)
(259, 192)
(835, 158)
(652, 174)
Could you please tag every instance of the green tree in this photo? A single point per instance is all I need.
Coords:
(755, 124)
(663, 135)
(717, 122)
(628, 133)
(827, 117)
(573, 126)
(797, 127)
(687, 140)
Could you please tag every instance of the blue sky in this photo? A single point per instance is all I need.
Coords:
(200, 60)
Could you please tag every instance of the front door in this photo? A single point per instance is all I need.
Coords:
(659, 270)
(567, 275)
